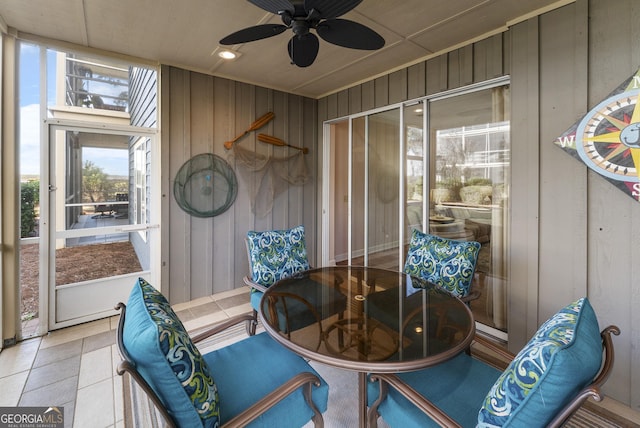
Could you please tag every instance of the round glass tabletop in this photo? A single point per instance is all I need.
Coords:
(366, 319)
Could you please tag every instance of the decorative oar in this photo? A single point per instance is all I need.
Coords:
(275, 141)
(257, 124)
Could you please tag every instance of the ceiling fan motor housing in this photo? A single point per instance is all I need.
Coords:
(303, 15)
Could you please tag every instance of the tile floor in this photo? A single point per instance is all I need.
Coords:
(75, 367)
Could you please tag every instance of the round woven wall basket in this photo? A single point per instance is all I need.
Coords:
(205, 186)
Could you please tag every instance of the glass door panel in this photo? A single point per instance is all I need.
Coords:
(359, 159)
(414, 152)
(469, 152)
(383, 190)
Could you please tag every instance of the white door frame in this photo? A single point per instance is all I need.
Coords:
(49, 234)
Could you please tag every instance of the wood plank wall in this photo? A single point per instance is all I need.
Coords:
(572, 233)
(613, 218)
(202, 256)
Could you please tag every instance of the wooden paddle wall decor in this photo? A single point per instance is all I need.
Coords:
(257, 124)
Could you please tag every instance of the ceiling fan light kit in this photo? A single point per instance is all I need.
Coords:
(301, 16)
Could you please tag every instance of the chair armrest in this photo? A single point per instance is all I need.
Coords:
(305, 379)
(414, 397)
(255, 285)
(593, 390)
(125, 366)
(221, 326)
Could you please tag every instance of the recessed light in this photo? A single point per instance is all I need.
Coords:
(227, 54)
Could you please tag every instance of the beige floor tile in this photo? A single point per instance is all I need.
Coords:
(205, 321)
(94, 405)
(19, 357)
(95, 366)
(11, 388)
(113, 322)
(192, 303)
(117, 385)
(237, 310)
(231, 293)
(76, 332)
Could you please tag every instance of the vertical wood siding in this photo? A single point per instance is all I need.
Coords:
(613, 218)
(202, 256)
(143, 109)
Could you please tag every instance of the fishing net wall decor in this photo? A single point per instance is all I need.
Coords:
(205, 186)
(270, 176)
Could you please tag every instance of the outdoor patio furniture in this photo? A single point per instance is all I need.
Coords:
(549, 379)
(253, 382)
(277, 254)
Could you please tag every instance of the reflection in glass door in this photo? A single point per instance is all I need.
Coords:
(363, 192)
(469, 188)
(382, 175)
(99, 240)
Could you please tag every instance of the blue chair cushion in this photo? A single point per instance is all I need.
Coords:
(457, 387)
(448, 263)
(248, 370)
(560, 359)
(276, 254)
(168, 360)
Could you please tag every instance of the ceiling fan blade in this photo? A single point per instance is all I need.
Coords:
(251, 34)
(303, 50)
(349, 34)
(330, 8)
(274, 6)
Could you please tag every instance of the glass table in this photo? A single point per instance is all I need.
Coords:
(388, 321)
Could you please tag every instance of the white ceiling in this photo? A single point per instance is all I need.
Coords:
(186, 34)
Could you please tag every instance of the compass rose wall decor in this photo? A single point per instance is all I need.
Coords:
(607, 139)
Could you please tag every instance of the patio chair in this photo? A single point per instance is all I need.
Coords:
(253, 382)
(544, 384)
(277, 254)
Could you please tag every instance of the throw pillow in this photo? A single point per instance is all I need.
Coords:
(447, 263)
(563, 357)
(277, 254)
(167, 358)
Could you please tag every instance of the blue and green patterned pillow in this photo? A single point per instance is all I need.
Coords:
(276, 254)
(563, 357)
(447, 263)
(167, 358)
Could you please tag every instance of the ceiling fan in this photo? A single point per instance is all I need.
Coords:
(304, 15)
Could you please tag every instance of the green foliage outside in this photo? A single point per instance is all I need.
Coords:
(97, 186)
(29, 200)
(478, 182)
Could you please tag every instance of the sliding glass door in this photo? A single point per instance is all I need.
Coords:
(439, 165)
